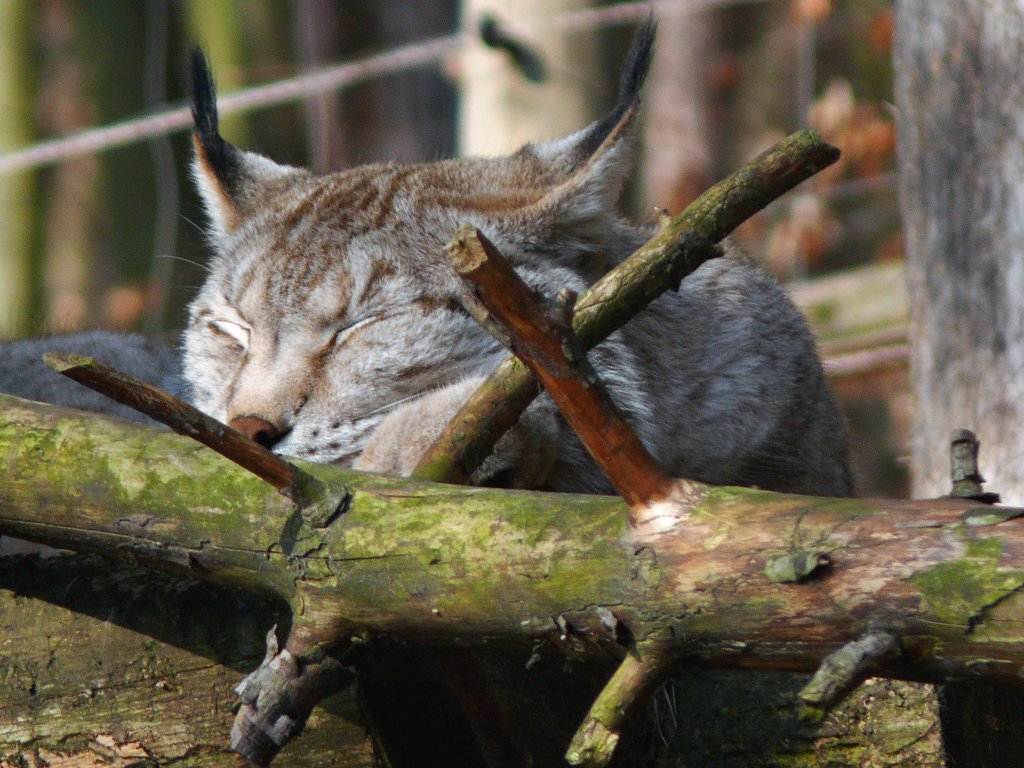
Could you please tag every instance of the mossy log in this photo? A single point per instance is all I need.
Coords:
(109, 665)
(453, 565)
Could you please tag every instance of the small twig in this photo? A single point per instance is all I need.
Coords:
(844, 670)
(865, 362)
(318, 501)
(678, 249)
(963, 468)
(277, 698)
(542, 338)
(634, 681)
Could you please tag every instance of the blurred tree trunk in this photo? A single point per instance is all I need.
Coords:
(319, 39)
(500, 108)
(961, 106)
(960, 100)
(677, 161)
(16, 190)
(406, 117)
(72, 200)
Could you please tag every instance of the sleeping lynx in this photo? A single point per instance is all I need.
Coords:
(330, 328)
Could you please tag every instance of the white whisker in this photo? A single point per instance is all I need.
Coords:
(389, 406)
(203, 267)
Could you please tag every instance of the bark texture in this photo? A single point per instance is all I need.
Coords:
(443, 564)
(102, 664)
(961, 127)
(959, 96)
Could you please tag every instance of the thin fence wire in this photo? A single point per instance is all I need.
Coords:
(325, 79)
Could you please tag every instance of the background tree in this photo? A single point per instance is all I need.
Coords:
(16, 192)
(544, 89)
(959, 95)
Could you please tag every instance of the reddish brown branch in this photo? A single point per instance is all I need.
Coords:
(542, 338)
(319, 503)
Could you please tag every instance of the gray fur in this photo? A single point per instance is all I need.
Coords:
(331, 312)
(23, 373)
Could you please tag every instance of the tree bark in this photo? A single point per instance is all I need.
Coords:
(959, 96)
(443, 564)
(959, 93)
(102, 664)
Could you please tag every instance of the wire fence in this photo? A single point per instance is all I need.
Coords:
(332, 78)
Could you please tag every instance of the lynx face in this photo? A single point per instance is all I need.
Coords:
(330, 301)
(325, 309)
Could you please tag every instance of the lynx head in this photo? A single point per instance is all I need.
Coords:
(330, 299)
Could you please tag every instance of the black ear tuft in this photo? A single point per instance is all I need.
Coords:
(217, 153)
(638, 63)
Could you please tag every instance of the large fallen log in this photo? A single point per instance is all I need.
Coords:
(746, 579)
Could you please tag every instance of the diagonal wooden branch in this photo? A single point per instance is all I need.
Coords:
(319, 501)
(844, 670)
(633, 683)
(539, 333)
(656, 267)
(541, 336)
(295, 685)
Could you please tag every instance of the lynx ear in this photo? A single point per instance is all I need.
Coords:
(596, 161)
(230, 181)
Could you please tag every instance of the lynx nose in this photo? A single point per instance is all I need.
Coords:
(257, 429)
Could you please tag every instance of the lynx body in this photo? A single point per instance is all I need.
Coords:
(330, 326)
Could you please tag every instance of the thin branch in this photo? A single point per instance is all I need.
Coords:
(542, 338)
(278, 697)
(678, 249)
(319, 501)
(864, 362)
(844, 670)
(633, 683)
(313, 83)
